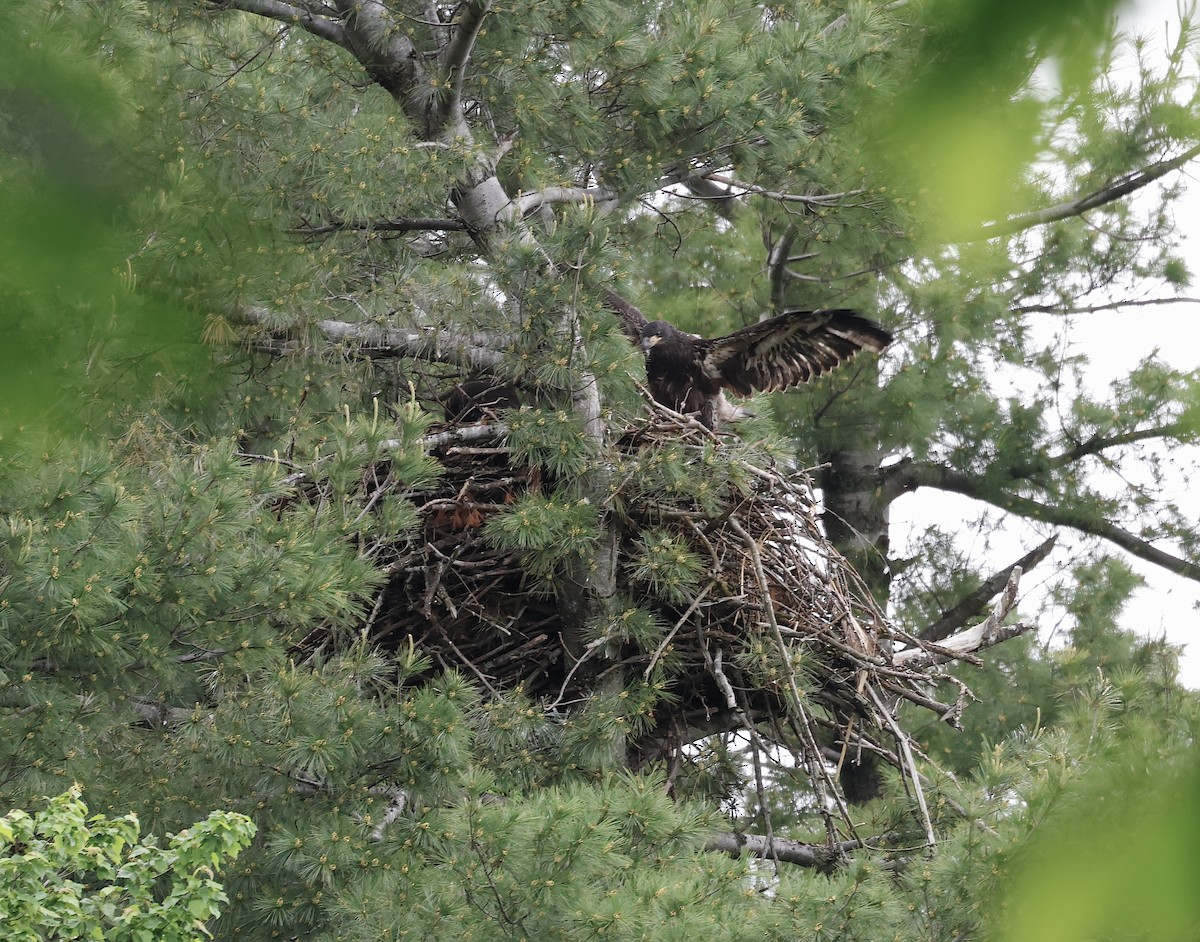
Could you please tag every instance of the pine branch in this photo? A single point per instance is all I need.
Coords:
(972, 604)
(824, 857)
(1118, 189)
(403, 224)
(477, 350)
(455, 57)
(291, 14)
(908, 475)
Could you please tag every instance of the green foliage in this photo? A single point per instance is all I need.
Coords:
(1116, 858)
(76, 191)
(65, 875)
(566, 863)
(546, 530)
(192, 610)
(666, 565)
(550, 440)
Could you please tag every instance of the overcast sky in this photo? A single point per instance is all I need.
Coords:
(1115, 342)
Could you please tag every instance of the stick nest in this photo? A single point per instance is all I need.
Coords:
(775, 638)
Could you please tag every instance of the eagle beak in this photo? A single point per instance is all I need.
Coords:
(649, 341)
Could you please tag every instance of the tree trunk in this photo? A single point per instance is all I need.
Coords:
(856, 522)
(857, 515)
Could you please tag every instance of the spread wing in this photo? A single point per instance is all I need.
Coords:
(632, 319)
(788, 349)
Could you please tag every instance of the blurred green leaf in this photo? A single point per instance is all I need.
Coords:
(1121, 861)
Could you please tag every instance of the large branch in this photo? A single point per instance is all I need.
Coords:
(991, 631)
(454, 62)
(383, 48)
(908, 475)
(821, 856)
(294, 15)
(972, 604)
(476, 350)
(1114, 191)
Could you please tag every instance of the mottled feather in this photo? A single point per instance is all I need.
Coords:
(689, 373)
(789, 349)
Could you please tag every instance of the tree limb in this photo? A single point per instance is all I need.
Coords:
(564, 194)
(721, 199)
(1114, 191)
(781, 196)
(293, 15)
(477, 350)
(1093, 446)
(972, 604)
(908, 475)
(404, 224)
(989, 632)
(1096, 308)
(454, 64)
(383, 48)
(777, 258)
(823, 857)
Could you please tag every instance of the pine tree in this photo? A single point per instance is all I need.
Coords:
(245, 582)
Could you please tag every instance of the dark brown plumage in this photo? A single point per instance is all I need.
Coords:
(688, 373)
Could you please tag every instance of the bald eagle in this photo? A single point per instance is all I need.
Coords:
(688, 373)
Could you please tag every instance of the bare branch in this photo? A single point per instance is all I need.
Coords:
(385, 51)
(777, 258)
(292, 14)
(454, 63)
(720, 198)
(821, 856)
(1096, 308)
(988, 632)
(476, 350)
(908, 475)
(823, 199)
(1114, 191)
(972, 604)
(565, 194)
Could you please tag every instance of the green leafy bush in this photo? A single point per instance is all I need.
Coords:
(64, 875)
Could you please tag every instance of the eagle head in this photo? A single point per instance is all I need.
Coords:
(654, 333)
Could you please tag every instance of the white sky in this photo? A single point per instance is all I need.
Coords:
(1168, 605)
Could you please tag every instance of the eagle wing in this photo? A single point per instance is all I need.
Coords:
(632, 319)
(788, 349)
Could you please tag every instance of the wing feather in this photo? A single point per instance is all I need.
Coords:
(788, 349)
